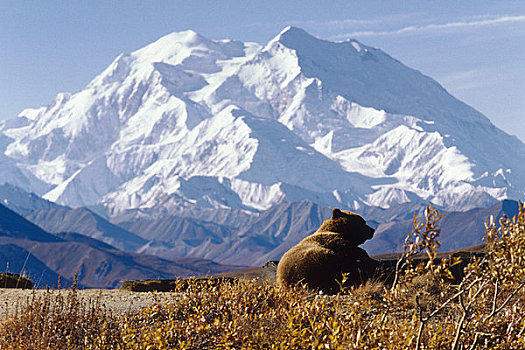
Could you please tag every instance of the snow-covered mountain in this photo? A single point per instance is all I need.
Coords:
(190, 122)
(21, 201)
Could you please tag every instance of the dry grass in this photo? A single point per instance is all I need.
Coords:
(421, 311)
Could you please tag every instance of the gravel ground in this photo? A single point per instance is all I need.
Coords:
(115, 300)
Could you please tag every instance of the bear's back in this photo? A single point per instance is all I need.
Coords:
(333, 241)
(317, 261)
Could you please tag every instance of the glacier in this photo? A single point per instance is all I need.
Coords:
(188, 122)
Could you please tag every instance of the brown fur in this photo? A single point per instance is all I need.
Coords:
(320, 259)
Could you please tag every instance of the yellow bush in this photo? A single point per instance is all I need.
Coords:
(485, 311)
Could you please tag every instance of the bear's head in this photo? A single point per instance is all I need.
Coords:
(352, 226)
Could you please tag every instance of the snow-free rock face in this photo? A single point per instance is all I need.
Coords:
(189, 122)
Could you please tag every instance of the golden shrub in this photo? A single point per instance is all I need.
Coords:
(423, 311)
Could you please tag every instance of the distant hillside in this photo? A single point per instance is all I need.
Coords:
(16, 259)
(458, 229)
(14, 226)
(267, 236)
(43, 256)
(85, 222)
(252, 240)
(259, 240)
(21, 201)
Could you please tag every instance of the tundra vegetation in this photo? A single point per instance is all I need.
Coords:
(422, 308)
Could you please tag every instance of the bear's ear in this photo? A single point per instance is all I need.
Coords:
(336, 213)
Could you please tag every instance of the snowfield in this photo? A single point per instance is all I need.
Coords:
(190, 122)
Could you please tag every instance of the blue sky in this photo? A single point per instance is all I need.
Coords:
(476, 49)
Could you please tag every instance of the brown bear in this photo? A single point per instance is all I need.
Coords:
(320, 259)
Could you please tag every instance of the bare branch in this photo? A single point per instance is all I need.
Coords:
(419, 333)
(477, 293)
(473, 346)
(495, 297)
(505, 302)
(460, 327)
(452, 299)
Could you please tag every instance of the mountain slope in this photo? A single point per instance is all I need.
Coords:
(374, 115)
(43, 256)
(87, 223)
(188, 123)
(13, 225)
(282, 226)
(458, 229)
(16, 259)
(269, 235)
(263, 238)
(21, 201)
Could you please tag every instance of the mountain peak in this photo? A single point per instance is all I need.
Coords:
(180, 36)
(294, 32)
(338, 123)
(294, 36)
(188, 36)
(176, 44)
(298, 38)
